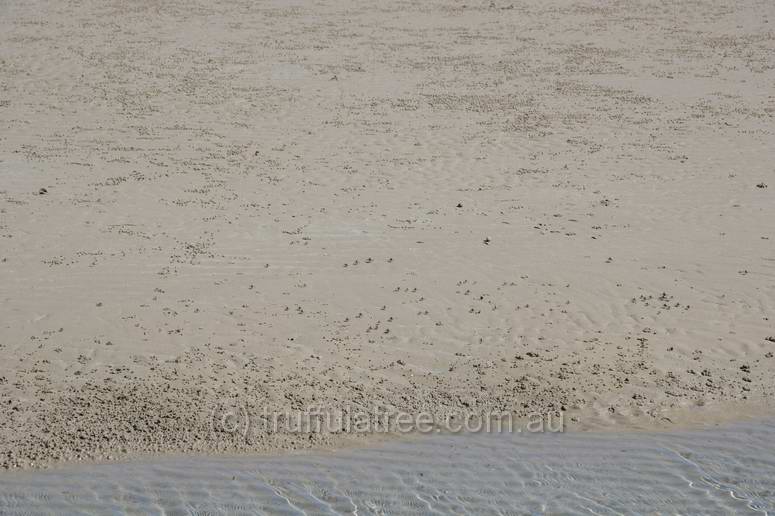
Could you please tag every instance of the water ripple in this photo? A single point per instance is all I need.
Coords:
(718, 471)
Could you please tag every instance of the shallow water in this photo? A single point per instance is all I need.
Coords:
(723, 470)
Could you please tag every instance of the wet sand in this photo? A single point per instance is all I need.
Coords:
(533, 207)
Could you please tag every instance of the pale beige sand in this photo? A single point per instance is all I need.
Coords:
(527, 206)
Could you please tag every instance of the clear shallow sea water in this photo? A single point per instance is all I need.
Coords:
(723, 470)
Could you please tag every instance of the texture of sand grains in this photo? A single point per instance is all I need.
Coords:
(441, 206)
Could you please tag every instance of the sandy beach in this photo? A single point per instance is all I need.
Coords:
(554, 207)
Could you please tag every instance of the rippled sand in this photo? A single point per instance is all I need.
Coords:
(720, 471)
(525, 206)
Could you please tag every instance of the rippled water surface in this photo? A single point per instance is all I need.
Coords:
(721, 471)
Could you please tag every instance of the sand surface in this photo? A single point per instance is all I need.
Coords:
(530, 206)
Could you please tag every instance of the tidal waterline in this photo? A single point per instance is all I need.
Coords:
(722, 470)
